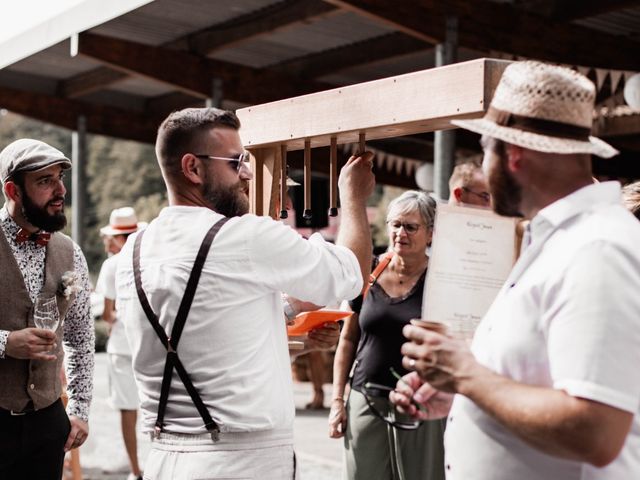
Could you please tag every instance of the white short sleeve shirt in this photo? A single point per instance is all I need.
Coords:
(234, 344)
(567, 318)
(106, 285)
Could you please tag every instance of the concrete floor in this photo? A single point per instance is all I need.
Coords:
(103, 456)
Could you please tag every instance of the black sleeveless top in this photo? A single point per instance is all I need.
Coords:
(381, 319)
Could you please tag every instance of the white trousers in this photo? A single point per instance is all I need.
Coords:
(237, 456)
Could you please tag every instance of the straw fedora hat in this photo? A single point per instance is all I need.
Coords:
(122, 221)
(544, 108)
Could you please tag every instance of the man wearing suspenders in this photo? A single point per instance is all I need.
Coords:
(201, 291)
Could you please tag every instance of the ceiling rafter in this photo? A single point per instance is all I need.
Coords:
(193, 74)
(503, 27)
(246, 27)
(366, 51)
(281, 15)
(567, 10)
(101, 119)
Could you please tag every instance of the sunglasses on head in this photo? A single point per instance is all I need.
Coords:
(377, 398)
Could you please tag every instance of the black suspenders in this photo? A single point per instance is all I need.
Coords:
(171, 343)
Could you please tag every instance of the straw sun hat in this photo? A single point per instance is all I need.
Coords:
(544, 108)
(122, 221)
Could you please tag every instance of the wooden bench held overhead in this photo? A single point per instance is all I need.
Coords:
(416, 102)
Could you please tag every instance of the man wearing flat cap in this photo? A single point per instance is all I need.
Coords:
(550, 387)
(41, 266)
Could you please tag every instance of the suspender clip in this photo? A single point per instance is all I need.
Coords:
(157, 430)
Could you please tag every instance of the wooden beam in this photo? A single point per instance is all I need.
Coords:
(204, 42)
(492, 26)
(192, 74)
(384, 108)
(568, 10)
(162, 105)
(265, 165)
(101, 120)
(360, 53)
(85, 83)
(272, 18)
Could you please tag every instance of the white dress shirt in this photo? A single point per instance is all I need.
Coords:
(567, 318)
(234, 344)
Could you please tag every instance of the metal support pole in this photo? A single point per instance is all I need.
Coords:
(215, 101)
(444, 147)
(79, 181)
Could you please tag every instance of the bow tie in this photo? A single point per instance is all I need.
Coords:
(40, 238)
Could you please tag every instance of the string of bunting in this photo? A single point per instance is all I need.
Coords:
(387, 161)
(599, 74)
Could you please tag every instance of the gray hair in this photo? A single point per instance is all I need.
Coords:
(631, 198)
(414, 200)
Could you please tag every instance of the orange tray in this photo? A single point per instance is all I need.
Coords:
(307, 321)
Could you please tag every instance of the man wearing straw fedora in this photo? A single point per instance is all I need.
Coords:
(200, 289)
(550, 388)
(44, 307)
(123, 393)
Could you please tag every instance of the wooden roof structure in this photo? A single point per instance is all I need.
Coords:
(127, 69)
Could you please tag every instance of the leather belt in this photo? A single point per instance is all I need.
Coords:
(14, 413)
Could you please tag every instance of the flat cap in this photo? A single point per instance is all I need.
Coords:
(28, 155)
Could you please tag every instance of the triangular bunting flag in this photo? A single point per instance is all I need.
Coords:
(583, 70)
(601, 77)
(390, 161)
(412, 166)
(399, 165)
(615, 76)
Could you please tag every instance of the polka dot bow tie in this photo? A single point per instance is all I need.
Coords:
(40, 238)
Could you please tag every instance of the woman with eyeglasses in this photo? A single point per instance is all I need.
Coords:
(379, 443)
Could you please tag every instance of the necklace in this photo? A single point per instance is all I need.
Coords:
(403, 277)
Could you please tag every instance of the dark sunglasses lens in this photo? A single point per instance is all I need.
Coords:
(235, 164)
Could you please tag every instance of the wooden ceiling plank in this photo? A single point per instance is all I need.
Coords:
(502, 27)
(85, 83)
(246, 27)
(360, 53)
(568, 10)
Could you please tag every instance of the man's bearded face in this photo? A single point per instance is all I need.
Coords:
(38, 216)
(506, 194)
(230, 200)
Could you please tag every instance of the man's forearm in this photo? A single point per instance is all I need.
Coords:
(551, 420)
(355, 234)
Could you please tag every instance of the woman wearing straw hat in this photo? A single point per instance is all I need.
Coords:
(550, 387)
(123, 393)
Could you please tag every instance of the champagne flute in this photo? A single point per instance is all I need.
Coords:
(45, 314)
